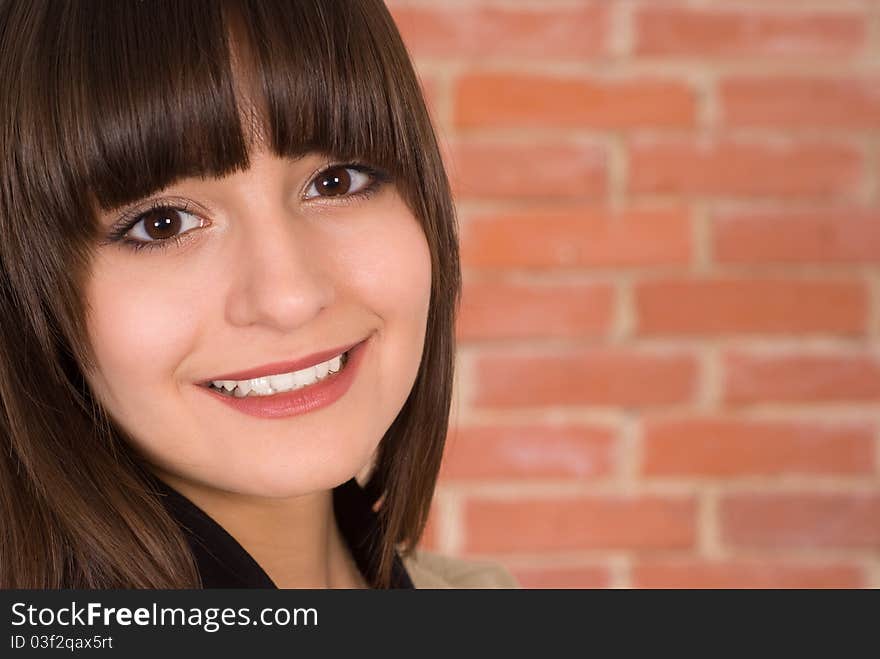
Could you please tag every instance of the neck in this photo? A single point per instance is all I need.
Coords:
(295, 540)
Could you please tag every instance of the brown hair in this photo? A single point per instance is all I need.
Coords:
(106, 102)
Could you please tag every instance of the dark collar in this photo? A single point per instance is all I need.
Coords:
(223, 563)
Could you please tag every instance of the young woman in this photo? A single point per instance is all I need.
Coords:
(229, 282)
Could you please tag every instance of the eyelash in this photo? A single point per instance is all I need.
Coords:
(130, 219)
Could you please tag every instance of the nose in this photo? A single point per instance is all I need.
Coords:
(277, 278)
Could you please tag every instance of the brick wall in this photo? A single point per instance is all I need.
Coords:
(669, 362)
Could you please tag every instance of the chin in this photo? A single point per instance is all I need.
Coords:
(280, 479)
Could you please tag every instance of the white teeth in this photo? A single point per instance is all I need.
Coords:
(261, 386)
(304, 377)
(282, 382)
(270, 384)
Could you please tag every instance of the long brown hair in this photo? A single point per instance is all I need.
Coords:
(105, 102)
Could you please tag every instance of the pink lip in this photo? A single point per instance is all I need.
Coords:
(299, 401)
(278, 368)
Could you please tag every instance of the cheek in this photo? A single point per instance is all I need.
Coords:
(141, 325)
(388, 268)
(402, 297)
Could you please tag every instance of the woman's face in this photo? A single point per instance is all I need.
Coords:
(274, 264)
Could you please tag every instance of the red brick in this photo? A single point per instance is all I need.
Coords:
(755, 305)
(840, 236)
(466, 31)
(725, 447)
(603, 376)
(800, 377)
(801, 102)
(574, 238)
(801, 520)
(749, 169)
(492, 452)
(596, 522)
(745, 574)
(528, 169)
(563, 577)
(496, 100)
(747, 33)
(500, 309)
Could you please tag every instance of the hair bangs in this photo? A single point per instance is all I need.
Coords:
(330, 82)
(191, 89)
(148, 96)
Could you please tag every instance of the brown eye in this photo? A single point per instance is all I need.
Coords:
(333, 182)
(339, 181)
(160, 224)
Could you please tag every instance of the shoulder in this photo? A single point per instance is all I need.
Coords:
(431, 570)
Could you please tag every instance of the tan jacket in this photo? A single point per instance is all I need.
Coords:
(432, 570)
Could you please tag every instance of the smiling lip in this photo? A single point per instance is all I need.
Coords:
(303, 400)
(278, 368)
